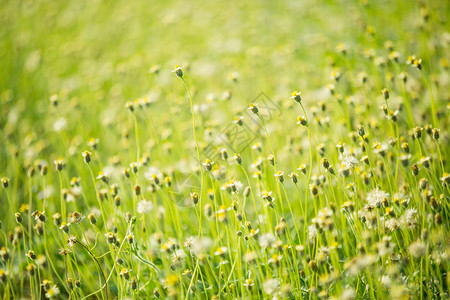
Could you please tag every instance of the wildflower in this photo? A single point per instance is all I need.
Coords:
(415, 62)
(101, 176)
(350, 161)
(5, 182)
(296, 96)
(409, 218)
(92, 219)
(75, 218)
(194, 197)
(31, 255)
(253, 108)
(4, 253)
(130, 106)
(57, 219)
(418, 249)
(302, 168)
(208, 164)
(52, 292)
(380, 149)
(137, 189)
(144, 207)
(111, 238)
(417, 131)
(336, 75)
(71, 241)
(385, 94)
(392, 224)
(392, 115)
(247, 191)
(385, 246)
(125, 273)
(280, 228)
(134, 167)
(362, 77)
(375, 197)
(279, 176)
(178, 71)
(3, 276)
(221, 214)
(64, 227)
(435, 133)
(425, 161)
(405, 147)
(445, 179)
(221, 251)
(342, 48)
(360, 130)
(86, 156)
(224, 154)
(301, 120)
(293, 177)
(238, 120)
(348, 205)
(59, 163)
(248, 283)
(270, 286)
(54, 99)
(31, 268)
(237, 158)
(325, 163)
(267, 196)
(18, 217)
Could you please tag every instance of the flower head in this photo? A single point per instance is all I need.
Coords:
(178, 71)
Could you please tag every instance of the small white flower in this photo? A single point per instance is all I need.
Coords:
(418, 249)
(144, 207)
(270, 286)
(386, 281)
(350, 161)
(376, 196)
(59, 124)
(52, 292)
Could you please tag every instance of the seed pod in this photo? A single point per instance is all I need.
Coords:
(18, 217)
(134, 284)
(86, 156)
(70, 283)
(5, 182)
(385, 94)
(302, 121)
(415, 169)
(194, 198)
(78, 283)
(31, 255)
(137, 190)
(130, 239)
(57, 219)
(435, 133)
(92, 219)
(39, 229)
(360, 130)
(325, 163)
(111, 238)
(224, 154)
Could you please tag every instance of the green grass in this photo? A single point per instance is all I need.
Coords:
(340, 192)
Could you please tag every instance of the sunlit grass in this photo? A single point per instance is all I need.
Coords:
(300, 151)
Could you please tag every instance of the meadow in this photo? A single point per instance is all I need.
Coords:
(224, 149)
